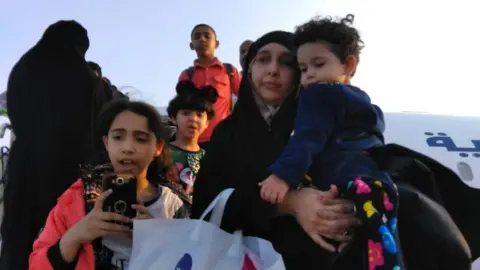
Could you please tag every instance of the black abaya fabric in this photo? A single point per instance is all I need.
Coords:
(240, 151)
(50, 94)
(244, 145)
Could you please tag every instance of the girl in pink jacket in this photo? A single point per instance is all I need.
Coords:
(77, 234)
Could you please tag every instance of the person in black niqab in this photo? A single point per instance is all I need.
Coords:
(50, 92)
(107, 91)
(97, 70)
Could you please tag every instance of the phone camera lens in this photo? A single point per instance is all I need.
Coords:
(120, 207)
(120, 181)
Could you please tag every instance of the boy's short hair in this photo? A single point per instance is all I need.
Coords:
(202, 25)
(342, 38)
(95, 67)
(189, 97)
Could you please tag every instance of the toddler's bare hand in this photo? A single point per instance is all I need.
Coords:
(273, 189)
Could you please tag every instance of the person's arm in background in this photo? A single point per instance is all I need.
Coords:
(183, 77)
(237, 78)
(245, 208)
(318, 109)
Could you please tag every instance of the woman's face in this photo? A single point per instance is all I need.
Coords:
(130, 144)
(271, 73)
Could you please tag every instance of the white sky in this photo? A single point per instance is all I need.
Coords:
(419, 55)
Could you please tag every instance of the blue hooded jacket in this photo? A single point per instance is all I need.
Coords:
(335, 123)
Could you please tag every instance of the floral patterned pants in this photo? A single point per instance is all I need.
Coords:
(376, 205)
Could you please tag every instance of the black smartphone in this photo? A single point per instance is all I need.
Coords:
(124, 194)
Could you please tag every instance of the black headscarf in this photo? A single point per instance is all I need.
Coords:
(96, 68)
(246, 111)
(253, 136)
(50, 92)
(63, 44)
(280, 37)
(65, 36)
(241, 149)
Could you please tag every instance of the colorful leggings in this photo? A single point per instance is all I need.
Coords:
(376, 206)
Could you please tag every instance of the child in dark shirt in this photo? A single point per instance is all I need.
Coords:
(191, 111)
(337, 124)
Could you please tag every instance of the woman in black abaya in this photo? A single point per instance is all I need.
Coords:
(51, 97)
(243, 146)
(248, 141)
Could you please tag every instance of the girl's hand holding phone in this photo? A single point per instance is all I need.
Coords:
(95, 224)
(98, 223)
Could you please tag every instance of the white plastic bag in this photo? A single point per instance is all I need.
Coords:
(262, 254)
(188, 244)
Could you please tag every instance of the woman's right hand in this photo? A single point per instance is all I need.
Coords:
(95, 224)
(323, 214)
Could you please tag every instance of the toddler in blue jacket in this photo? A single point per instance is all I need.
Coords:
(337, 124)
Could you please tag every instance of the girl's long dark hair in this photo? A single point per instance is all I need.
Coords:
(162, 168)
